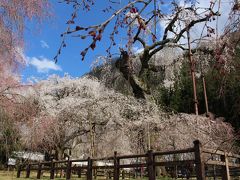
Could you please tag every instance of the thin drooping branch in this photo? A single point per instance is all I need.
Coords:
(137, 38)
(96, 31)
(139, 29)
(170, 25)
(179, 35)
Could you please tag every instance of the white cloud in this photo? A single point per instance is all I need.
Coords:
(33, 79)
(44, 44)
(137, 50)
(43, 64)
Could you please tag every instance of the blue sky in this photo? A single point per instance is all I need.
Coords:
(42, 42)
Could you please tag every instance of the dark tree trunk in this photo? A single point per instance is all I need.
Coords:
(124, 65)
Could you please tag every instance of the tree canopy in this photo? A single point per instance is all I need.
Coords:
(151, 27)
(13, 14)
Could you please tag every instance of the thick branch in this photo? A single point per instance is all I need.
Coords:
(140, 40)
(160, 44)
(170, 25)
(190, 25)
(137, 38)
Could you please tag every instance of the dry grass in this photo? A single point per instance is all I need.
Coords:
(11, 175)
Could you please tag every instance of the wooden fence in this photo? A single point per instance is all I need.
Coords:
(203, 163)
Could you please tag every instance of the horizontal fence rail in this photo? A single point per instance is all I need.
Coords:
(192, 162)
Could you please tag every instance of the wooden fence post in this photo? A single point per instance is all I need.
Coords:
(200, 169)
(116, 167)
(123, 174)
(52, 170)
(214, 173)
(150, 165)
(69, 170)
(28, 171)
(116, 170)
(79, 171)
(109, 175)
(225, 169)
(19, 171)
(89, 169)
(39, 171)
